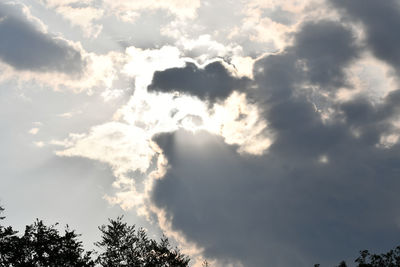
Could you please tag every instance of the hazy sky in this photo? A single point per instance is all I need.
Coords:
(251, 132)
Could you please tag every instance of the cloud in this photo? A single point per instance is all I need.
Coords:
(302, 200)
(30, 53)
(112, 94)
(294, 211)
(327, 48)
(100, 71)
(205, 48)
(281, 168)
(319, 56)
(25, 47)
(143, 62)
(149, 113)
(83, 14)
(181, 9)
(34, 131)
(39, 144)
(213, 82)
(130, 11)
(83, 17)
(70, 114)
(53, 3)
(379, 21)
(125, 148)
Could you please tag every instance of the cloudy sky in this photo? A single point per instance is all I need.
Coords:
(251, 132)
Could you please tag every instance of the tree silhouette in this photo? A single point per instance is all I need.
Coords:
(123, 245)
(42, 246)
(8, 244)
(366, 259)
(389, 259)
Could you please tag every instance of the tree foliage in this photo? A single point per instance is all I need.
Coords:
(7, 243)
(124, 245)
(120, 245)
(366, 259)
(389, 259)
(42, 246)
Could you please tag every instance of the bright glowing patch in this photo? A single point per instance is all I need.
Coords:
(34, 131)
(387, 141)
(369, 76)
(39, 144)
(239, 123)
(144, 62)
(243, 65)
(323, 159)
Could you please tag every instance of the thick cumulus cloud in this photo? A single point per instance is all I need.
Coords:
(26, 47)
(381, 20)
(321, 52)
(214, 82)
(278, 210)
(326, 47)
(325, 188)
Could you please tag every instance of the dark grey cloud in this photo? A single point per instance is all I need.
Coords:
(321, 52)
(370, 120)
(213, 82)
(25, 47)
(323, 191)
(381, 20)
(276, 210)
(326, 47)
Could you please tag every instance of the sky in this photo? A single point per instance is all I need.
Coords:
(250, 132)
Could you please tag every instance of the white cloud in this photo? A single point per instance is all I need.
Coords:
(54, 3)
(83, 17)
(143, 62)
(124, 147)
(34, 131)
(243, 66)
(239, 122)
(204, 48)
(370, 76)
(70, 114)
(181, 8)
(111, 94)
(285, 17)
(79, 13)
(39, 144)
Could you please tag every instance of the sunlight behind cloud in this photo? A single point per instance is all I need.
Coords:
(125, 144)
(229, 125)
